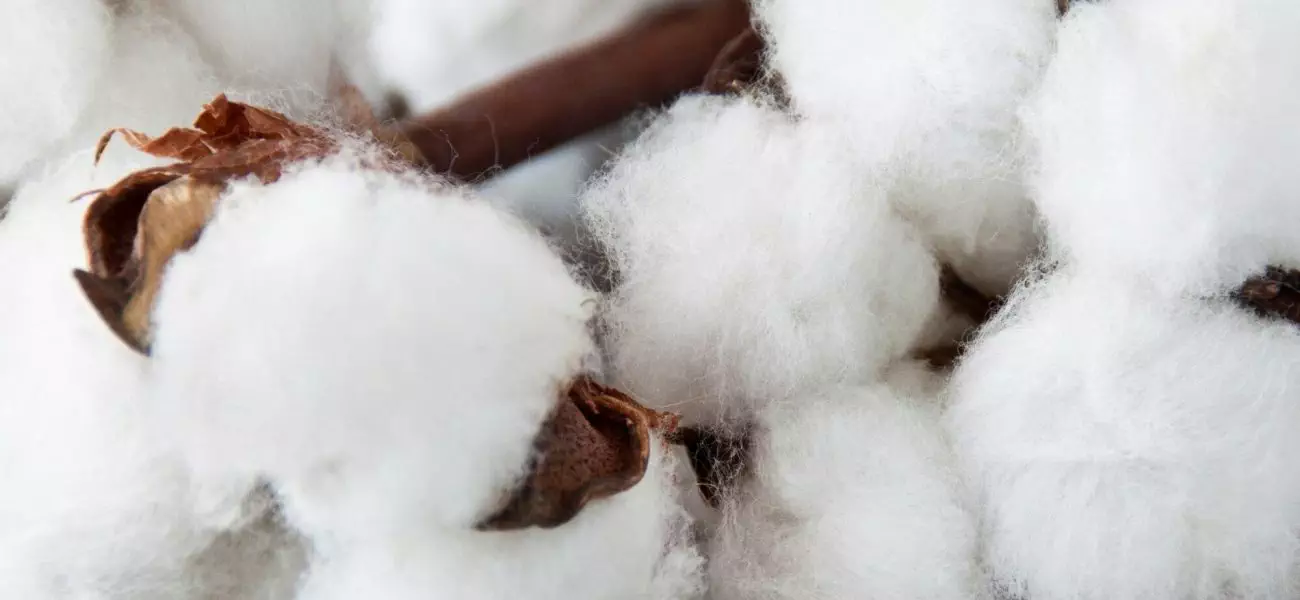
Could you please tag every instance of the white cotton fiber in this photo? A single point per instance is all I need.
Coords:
(94, 505)
(632, 546)
(932, 87)
(377, 346)
(51, 52)
(1126, 445)
(753, 260)
(1166, 131)
(285, 46)
(851, 495)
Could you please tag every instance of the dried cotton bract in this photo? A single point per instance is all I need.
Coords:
(1167, 133)
(752, 262)
(851, 495)
(1127, 446)
(931, 88)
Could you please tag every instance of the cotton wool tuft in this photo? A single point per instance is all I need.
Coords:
(852, 494)
(635, 545)
(51, 52)
(753, 262)
(95, 504)
(930, 87)
(376, 345)
(1126, 445)
(1165, 131)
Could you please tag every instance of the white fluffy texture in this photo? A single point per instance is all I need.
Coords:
(853, 495)
(753, 261)
(378, 347)
(146, 74)
(433, 51)
(50, 54)
(631, 546)
(1127, 446)
(1166, 131)
(94, 505)
(283, 45)
(932, 87)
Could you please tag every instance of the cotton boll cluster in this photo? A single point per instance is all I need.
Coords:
(1165, 131)
(49, 51)
(753, 263)
(94, 504)
(851, 495)
(931, 88)
(384, 349)
(1127, 426)
(1147, 457)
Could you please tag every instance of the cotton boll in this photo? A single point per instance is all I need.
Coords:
(851, 495)
(633, 545)
(753, 262)
(376, 346)
(1165, 130)
(1127, 445)
(93, 505)
(932, 87)
(50, 54)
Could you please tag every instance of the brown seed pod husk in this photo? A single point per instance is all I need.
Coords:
(134, 228)
(594, 445)
(1273, 294)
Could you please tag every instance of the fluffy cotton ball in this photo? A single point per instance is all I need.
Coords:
(1130, 446)
(366, 341)
(94, 505)
(753, 262)
(932, 86)
(51, 52)
(631, 546)
(1166, 130)
(852, 495)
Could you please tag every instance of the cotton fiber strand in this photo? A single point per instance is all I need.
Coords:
(95, 504)
(51, 52)
(1131, 446)
(852, 494)
(1166, 131)
(752, 262)
(932, 88)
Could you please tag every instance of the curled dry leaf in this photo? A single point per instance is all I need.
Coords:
(134, 228)
(594, 445)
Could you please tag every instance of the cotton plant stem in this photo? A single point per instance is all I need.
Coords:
(544, 106)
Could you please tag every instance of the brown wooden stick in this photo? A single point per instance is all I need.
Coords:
(553, 102)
